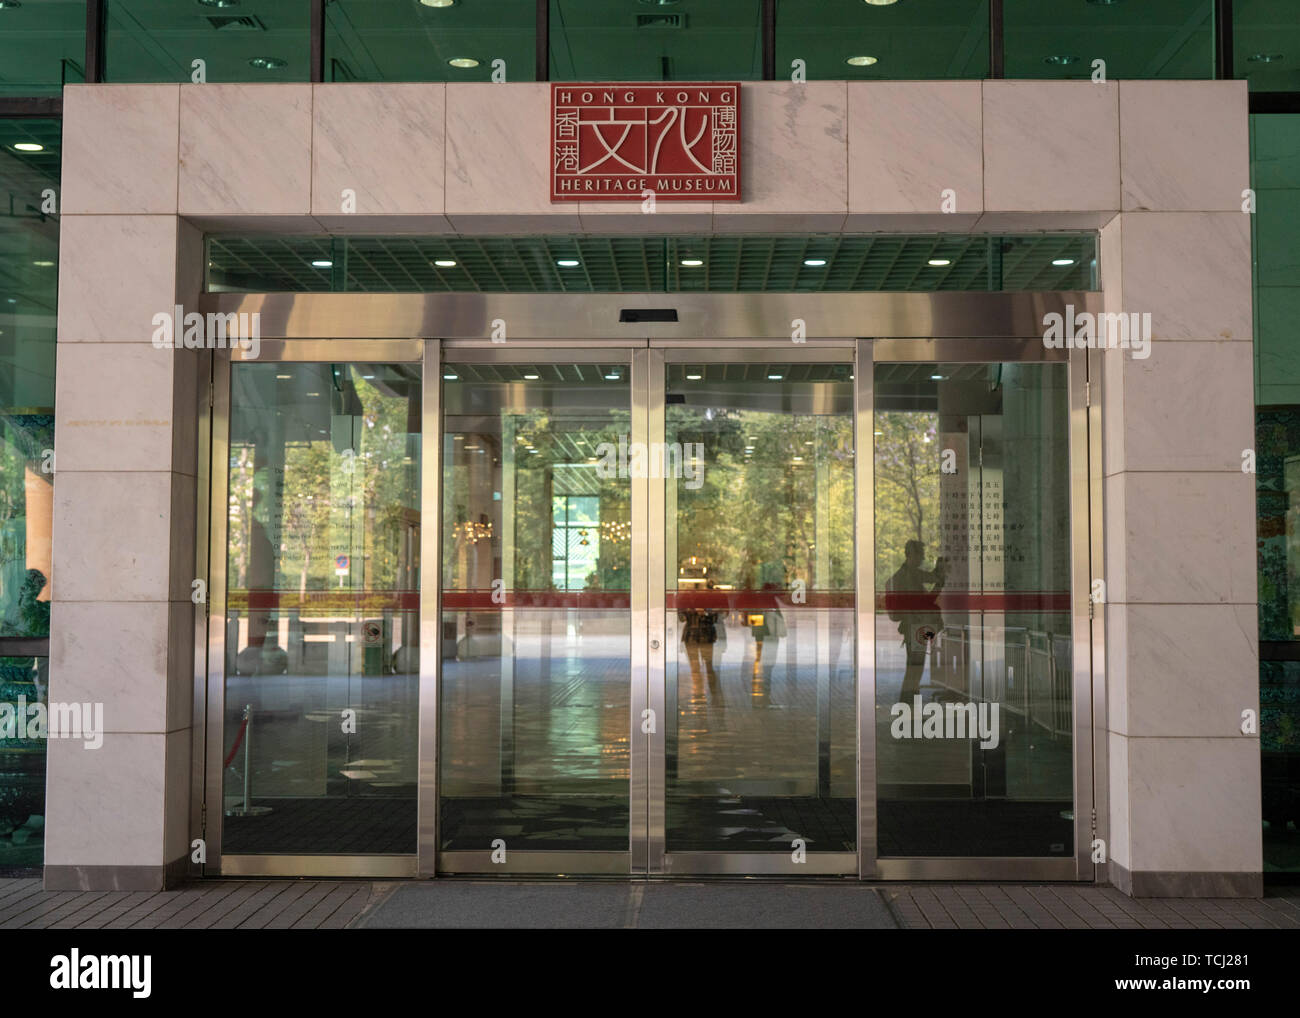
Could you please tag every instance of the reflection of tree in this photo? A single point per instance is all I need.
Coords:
(754, 520)
(907, 486)
(312, 495)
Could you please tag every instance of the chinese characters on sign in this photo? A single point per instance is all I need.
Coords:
(614, 142)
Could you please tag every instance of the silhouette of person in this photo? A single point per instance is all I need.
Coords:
(699, 634)
(916, 610)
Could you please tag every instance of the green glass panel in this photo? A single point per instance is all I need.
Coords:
(24, 683)
(406, 40)
(1150, 39)
(1266, 44)
(160, 40)
(42, 46)
(29, 255)
(915, 39)
(651, 40)
(621, 264)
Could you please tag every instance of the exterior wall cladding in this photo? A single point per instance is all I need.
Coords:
(1157, 167)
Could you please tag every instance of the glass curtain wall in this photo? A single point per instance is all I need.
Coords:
(29, 254)
(1275, 166)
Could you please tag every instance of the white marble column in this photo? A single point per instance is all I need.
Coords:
(124, 498)
(1181, 623)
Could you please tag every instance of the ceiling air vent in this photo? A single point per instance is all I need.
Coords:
(661, 21)
(235, 23)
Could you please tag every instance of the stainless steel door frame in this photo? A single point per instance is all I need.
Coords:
(214, 733)
(1085, 480)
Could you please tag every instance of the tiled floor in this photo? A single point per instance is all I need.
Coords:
(338, 904)
(1064, 906)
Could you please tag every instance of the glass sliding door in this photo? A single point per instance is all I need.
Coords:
(536, 639)
(974, 597)
(760, 718)
(316, 608)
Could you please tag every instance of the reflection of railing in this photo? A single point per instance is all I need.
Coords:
(1028, 670)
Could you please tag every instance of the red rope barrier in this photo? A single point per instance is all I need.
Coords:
(239, 737)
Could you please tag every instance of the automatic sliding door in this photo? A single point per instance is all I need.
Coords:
(760, 741)
(535, 643)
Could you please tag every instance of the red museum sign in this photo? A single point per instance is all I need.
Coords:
(613, 142)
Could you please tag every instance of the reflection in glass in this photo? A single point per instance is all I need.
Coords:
(24, 682)
(536, 638)
(1266, 41)
(146, 40)
(322, 615)
(402, 40)
(1278, 506)
(914, 40)
(42, 46)
(761, 741)
(29, 255)
(973, 654)
(596, 41)
(1061, 39)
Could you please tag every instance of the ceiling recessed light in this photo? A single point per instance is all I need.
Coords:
(692, 263)
(322, 263)
(44, 265)
(1062, 262)
(1060, 61)
(445, 263)
(1103, 3)
(937, 378)
(284, 376)
(939, 263)
(438, 3)
(9, 4)
(693, 378)
(218, 3)
(775, 378)
(531, 378)
(881, 3)
(314, 394)
(367, 376)
(1264, 58)
(28, 146)
(451, 378)
(463, 62)
(567, 263)
(613, 377)
(860, 61)
(814, 263)
(268, 63)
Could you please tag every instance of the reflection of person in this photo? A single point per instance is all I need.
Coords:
(699, 634)
(916, 610)
(35, 614)
(767, 629)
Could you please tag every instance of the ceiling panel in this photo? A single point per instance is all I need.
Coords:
(622, 264)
